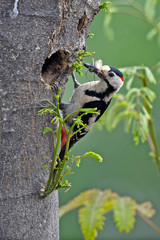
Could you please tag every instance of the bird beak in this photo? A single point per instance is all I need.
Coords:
(100, 72)
(91, 67)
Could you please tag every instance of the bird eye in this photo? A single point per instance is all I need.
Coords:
(111, 74)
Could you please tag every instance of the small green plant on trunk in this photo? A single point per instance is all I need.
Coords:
(57, 170)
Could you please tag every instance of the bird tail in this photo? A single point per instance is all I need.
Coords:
(62, 152)
(73, 140)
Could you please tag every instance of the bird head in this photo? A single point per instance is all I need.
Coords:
(110, 75)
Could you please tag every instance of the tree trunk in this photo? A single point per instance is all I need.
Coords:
(39, 41)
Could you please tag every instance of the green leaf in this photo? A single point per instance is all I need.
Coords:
(68, 168)
(57, 97)
(132, 93)
(159, 37)
(66, 184)
(80, 200)
(79, 121)
(146, 209)
(151, 34)
(112, 116)
(55, 119)
(94, 155)
(89, 110)
(125, 114)
(143, 128)
(84, 199)
(146, 101)
(96, 203)
(46, 130)
(91, 216)
(104, 6)
(77, 67)
(78, 162)
(52, 104)
(87, 54)
(45, 166)
(124, 212)
(129, 82)
(128, 122)
(135, 132)
(149, 75)
(152, 154)
(146, 114)
(149, 93)
(149, 8)
(46, 110)
(91, 35)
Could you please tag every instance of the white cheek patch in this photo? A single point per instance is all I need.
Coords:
(106, 68)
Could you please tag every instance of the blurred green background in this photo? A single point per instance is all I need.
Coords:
(126, 169)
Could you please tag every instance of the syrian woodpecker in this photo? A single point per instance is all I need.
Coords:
(95, 94)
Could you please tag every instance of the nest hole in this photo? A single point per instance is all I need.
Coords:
(55, 66)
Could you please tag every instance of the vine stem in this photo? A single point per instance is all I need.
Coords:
(58, 175)
(153, 135)
(152, 130)
(49, 182)
(54, 157)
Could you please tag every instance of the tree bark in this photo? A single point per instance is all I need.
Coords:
(39, 40)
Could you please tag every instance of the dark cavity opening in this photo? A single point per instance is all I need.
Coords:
(55, 66)
(83, 21)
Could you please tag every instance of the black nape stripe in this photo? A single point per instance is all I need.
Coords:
(100, 95)
(101, 107)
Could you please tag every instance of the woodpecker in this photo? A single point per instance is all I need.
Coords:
(95, 94)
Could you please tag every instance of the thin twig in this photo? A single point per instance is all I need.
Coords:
(152, 224)
(151, 127)
(150, 142)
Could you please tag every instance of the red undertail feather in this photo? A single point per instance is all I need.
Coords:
(63, 137)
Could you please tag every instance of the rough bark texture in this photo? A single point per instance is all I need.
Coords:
(39, 40)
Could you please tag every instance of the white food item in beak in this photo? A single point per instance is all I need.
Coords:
(104, 68)
(98, 64)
